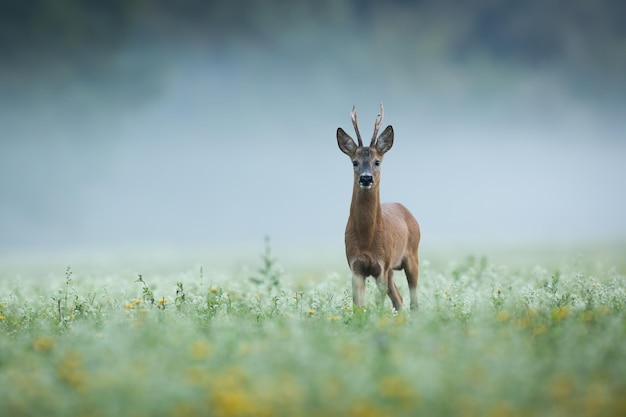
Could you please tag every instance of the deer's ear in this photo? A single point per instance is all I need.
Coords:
(345, 142)
(385, 140)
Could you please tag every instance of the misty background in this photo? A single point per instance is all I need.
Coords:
(129, 123)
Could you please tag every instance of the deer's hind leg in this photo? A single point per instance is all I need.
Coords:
(392, 292)
(411, 270)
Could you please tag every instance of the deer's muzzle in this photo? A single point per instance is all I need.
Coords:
(365, 181)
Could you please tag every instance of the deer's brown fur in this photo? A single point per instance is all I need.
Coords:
(380, 238)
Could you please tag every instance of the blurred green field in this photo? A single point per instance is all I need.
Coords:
(537, 335)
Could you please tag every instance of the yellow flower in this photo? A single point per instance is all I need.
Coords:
(365, 409)
(333, 318)
(213, 289)
(200, 349)
(560, 313)
(2, 317)
(523, 322)
(311, 312)
(560, 387)
(587, 316)
(232, 394)
(503, 316)
(352, 352)
(43, 344)
(400, 392)
(236, 402)
(70, 371)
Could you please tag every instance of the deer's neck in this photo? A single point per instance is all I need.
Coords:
(365, 213)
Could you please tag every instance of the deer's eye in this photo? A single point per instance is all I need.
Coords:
(355, 163)
(377, 162)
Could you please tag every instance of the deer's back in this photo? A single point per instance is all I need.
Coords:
(398, 216)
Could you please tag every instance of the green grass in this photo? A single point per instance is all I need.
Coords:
(490, 339)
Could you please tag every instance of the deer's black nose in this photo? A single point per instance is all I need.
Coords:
(366, 180)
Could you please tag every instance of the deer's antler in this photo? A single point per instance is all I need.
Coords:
(379, 120)
(356, 127)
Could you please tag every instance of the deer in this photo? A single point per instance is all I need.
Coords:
(379, 238)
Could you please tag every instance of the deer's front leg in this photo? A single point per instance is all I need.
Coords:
(381, 283)
(358, 290)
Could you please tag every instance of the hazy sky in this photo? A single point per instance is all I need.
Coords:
(225, 149)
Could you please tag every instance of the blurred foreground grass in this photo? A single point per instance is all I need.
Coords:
(489, 340)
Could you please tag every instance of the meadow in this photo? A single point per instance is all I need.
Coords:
(538, 336)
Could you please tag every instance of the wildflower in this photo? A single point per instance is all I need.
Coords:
(333, 318)
(200, 349)
(213, 289)
(353, 353)
(560, 387)
(503, 316)
(161, 302)
(384, 321)
(597, 396)
(587, 316)
(2, 317)
(43, 344)
(400, 318)
(70, 371)
(560, 313)
(291, 395)
(235, 402)
(311, 312)
(398, 389)
(365, 409)
(501, 408)
(133, 304)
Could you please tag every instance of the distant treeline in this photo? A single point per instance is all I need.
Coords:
(588, 37)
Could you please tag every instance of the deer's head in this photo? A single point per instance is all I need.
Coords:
(366, 160)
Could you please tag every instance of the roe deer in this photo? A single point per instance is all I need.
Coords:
(379, 238)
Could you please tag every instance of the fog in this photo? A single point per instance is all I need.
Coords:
(187, 141)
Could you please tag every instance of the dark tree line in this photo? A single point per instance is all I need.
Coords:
(79, 37)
